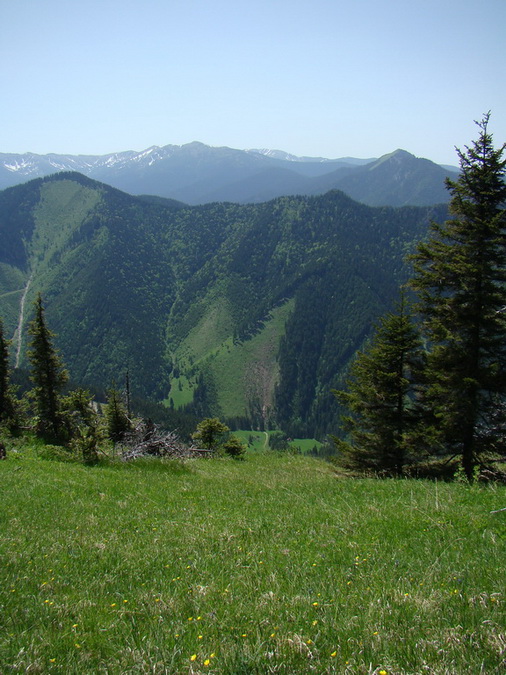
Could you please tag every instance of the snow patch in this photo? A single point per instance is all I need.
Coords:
(21, 166)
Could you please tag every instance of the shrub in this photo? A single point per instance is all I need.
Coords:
(234, 447)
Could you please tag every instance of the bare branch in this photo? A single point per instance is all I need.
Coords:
(148, 440)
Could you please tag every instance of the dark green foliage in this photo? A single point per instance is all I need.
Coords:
(128, 281)
(166, 418)
(86, 443)
(234, 447)
(117, 420)
(82, 424)
(278, 440)
(47, 374)
(16, 206)
(8, 407)
(380, 397)
(209, 432)
(78, 408)
(460, 276)
(343, 292)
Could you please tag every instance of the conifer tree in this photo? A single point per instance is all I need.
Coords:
(234, 447)
(7, 404)
(382, 417)
(209, 432)
(118, 422)
(47, 374)
(460, 277)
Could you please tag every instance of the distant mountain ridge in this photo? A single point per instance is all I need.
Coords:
(281, 154)
(196, 173)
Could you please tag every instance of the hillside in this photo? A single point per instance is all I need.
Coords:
(249, 312)
(197, 174)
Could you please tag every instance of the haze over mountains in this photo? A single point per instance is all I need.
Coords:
(198, 174)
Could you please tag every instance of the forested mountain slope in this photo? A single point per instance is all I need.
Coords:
(246, 311)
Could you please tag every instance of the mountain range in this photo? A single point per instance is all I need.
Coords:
(247, 311)
(198, 174)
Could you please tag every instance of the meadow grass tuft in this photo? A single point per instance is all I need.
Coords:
(271, 565)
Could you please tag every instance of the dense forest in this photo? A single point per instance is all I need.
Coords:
(248, 312)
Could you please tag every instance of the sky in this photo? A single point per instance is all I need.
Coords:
(327, 78)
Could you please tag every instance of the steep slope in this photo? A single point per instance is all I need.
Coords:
(250, 312)
(93, 253)
(322, 270)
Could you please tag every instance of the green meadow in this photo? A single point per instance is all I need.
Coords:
(274, 564)
(241, 371)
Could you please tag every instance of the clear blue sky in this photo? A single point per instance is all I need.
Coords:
(313, 77)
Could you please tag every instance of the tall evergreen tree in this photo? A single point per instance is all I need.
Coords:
(382, 413)
(47, 374)
(460, 276)
(7, 404)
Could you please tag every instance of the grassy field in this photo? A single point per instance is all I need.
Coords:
(259, 440)
(270, 565)
(241, 371)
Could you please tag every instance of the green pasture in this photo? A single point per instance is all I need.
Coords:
(275, 564)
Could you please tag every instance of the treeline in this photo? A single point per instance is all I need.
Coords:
(430, 388)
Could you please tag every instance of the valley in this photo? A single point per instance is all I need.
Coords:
(248, 312)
